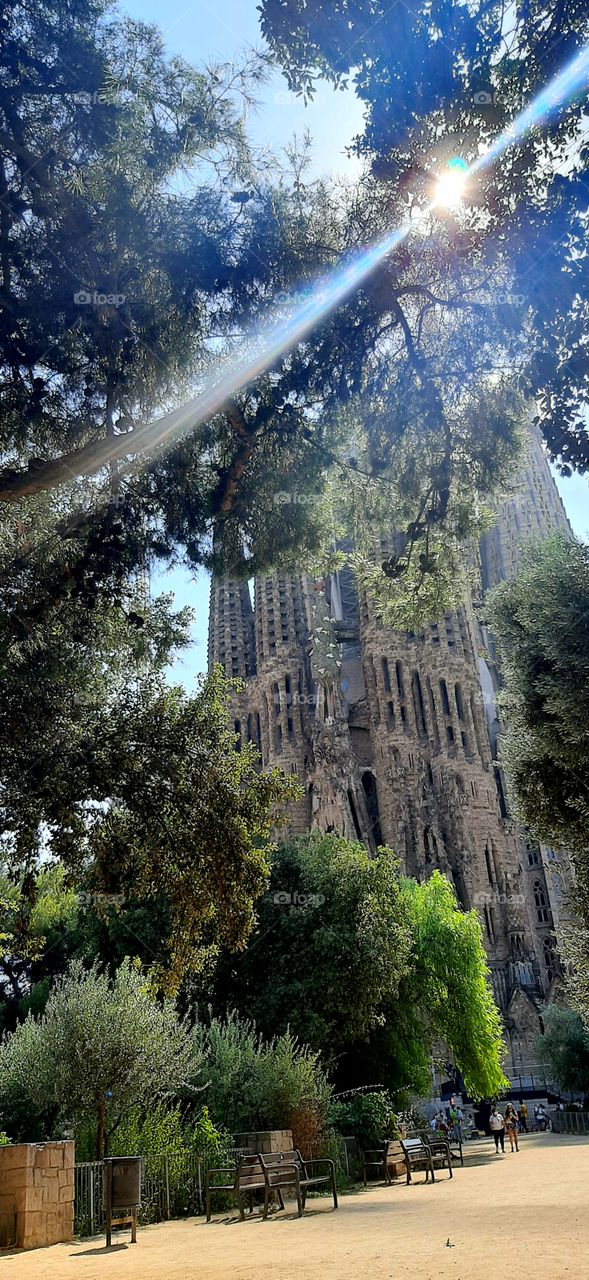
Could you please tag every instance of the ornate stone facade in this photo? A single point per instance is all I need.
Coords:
(395, 738)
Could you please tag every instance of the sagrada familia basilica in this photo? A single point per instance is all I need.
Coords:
(394, 736)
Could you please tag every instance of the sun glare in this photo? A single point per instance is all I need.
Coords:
(451, 183)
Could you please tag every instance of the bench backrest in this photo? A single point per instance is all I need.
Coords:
(273, 1159)
(279, 1164)
(249, 1173)
(414, 1146)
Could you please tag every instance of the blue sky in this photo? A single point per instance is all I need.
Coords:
(221, 30)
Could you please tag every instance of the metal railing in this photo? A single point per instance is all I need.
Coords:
(172, 1186)
(569, 1121)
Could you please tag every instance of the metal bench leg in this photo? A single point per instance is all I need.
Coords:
(134, 1227)
(241, 1209)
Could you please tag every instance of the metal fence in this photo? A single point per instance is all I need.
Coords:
(569, 1121)
(172, 1186)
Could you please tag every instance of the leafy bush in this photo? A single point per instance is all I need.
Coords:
(367, 1117)
(167, 1131)
(4, 1139)
(259, 1084)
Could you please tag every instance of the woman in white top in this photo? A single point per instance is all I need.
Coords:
(497, 1124)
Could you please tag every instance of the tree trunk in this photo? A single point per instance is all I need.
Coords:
(100, 1151)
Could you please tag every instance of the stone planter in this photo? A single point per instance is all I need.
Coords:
(36, 1194)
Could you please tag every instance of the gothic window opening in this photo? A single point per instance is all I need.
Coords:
(550, 959)
(444, 697)
(375, 700)
(400, 682)
(500, 791)
(371, 798)
(390, 715)
(354, 813)
(533, 857)
(459, 701)
(418, 705)
(434, 714)
(542, 914)
(488, 862)
(386, 675)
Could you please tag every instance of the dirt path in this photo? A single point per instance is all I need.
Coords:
(523, 1216)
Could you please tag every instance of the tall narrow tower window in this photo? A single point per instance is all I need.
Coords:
(418, 706)
(386, 675)
(540, 903)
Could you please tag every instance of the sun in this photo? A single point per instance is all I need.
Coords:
(451, 183)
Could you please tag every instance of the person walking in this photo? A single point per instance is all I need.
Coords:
(497, 1124)
(511, 1126)
(523, 1116)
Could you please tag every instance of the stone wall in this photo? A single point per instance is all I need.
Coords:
(266, 1141)
(36, 1194)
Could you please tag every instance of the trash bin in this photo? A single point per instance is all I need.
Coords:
(122, 1190)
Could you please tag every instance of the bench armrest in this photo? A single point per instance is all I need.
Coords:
(320, 1160)
(227, 1170)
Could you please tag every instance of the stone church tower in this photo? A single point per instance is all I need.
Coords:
(395, 738)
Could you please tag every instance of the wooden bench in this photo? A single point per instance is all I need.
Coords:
(427, 1155)
(284, 1169)
(436, 1135)
(382, 1159)
(241, 1181)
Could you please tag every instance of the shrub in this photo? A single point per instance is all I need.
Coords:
(259, 1084)
(367, 1117)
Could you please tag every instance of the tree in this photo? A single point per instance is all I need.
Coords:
(336, 921)
(442, 81)
(129, 189)
(541, 619)
(564, 1050)
(133, 786)
(100, 1048)
(449, 984)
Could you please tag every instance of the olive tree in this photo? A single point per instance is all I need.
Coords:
(102, 1046)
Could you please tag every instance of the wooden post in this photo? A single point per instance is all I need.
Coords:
(108, 1203)
(167, 1171)
(91, 1180)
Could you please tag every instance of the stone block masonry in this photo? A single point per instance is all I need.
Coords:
(36, 1194)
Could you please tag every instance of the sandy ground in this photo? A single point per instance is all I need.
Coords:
(524, 1216)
